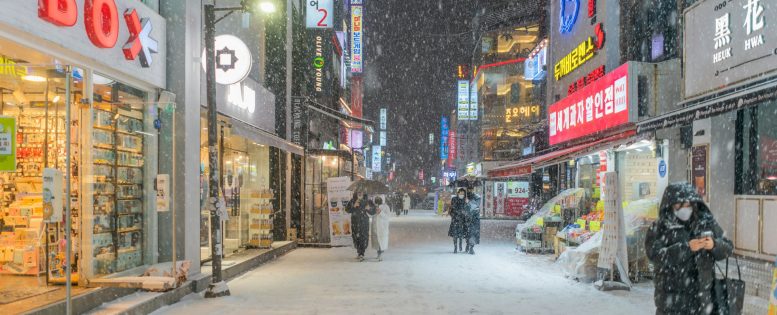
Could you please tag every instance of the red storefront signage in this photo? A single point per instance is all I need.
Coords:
(514, 206)
(602, 105)
(510, 172)
(451, 148)
(101, 20)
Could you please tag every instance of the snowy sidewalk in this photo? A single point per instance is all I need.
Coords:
(420, 274)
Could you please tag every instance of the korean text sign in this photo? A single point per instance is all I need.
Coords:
(732, 41)
(600, 106)
(357, 38)
(318, 13)
(7, 144)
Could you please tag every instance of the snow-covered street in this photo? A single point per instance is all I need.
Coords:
(419, 275)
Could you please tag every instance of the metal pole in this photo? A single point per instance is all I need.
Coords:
(172, 200)
(217, 287)
(68, 216)
(289, 168)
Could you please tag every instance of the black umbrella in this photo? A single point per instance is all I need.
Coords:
(369, 186)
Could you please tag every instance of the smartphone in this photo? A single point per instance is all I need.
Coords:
(707, 234)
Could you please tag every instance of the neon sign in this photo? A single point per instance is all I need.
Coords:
(568, 19)
(580, 54)
(101, 20)
(521, 113)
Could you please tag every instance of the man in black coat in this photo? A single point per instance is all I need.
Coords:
(459, 209)
(360, 209)
(684, 244)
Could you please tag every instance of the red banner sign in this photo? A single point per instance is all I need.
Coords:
(602, 105)
(514, 206)
(451, 147)
(513, 171)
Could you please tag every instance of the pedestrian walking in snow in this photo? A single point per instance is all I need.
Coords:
(380, 227)
(472, 221)
(684, 244)
(406, 203)
(458, 211)
(360, 209)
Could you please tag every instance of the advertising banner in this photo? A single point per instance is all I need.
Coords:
(517, 196)
(53, 195)
(162, 192)
(602, 105)
(7, 144)
(319, 13)
(383, 138)
(338, 197)
(612, 253)
(699, 169)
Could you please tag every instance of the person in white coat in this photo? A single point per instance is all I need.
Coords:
(380, 227)
(406, 203)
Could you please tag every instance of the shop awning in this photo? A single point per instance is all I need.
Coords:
(708, 106)
(525, 167)
(263, 137)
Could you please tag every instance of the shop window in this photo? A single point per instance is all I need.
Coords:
(120, 162)
(245, 185)
(756, 154)
(33, 141)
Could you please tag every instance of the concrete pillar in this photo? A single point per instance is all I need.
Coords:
(184, 46)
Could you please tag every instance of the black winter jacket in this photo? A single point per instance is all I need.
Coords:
(360, 217)
(459, 209)
(683, 280)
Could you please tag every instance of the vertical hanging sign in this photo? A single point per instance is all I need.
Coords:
(463, 100)
(7, 144)
(451, 147)
(444, 138)
(376, 158)
(473, 101)
(383, 118)
(357, 36)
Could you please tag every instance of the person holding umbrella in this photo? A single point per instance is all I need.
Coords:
(360, 209)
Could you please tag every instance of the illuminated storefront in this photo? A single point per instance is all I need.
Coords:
(117, 132)
(511, 102)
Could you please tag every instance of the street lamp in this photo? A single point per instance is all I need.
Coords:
(267, 7)
(218, 286)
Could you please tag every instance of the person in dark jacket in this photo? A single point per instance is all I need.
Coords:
(458, 212)
(472, 221)
(683, 244)
(360, 209)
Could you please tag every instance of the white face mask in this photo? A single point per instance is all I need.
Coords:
(684, 213)
(461, 196)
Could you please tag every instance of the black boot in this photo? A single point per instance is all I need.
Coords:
(461, 249)
(455, 249)
(471, 249)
